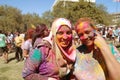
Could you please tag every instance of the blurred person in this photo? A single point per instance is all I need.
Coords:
(55, 57)
(104, 32)
(18, 43)
(9, 41)
(27, 45)
(41, 31)
(34, 36)
(110, 32)
(3, 46)
(114, 35)
(95, 58)
(119, 33)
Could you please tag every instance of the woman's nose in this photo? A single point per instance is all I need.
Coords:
(65, 36)
(85, 36)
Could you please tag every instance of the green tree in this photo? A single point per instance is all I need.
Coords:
(10, 18)
(30, 19)
(47, 18)
(76, 10)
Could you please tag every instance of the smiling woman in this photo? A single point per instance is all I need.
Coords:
(55, 55)
(95, 57)
(64, 36)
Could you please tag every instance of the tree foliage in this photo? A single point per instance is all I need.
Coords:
(31, 19)
(10, 18)
(76, 10)
(47, 18)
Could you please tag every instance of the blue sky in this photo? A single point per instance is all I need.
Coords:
(40, 6)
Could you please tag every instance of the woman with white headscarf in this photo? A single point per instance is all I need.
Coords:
(55, 55)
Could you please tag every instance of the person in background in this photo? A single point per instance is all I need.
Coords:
(3, 46)
(95, 58)
(55, 55)
(27, 45)
(18, 43)
(119, 34)
(41, 31)
(9, 41)
(34, 37)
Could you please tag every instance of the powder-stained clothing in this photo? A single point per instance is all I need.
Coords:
(2, 40)
(3, 43)
(51, 60)
(91, 66)
(41, 64)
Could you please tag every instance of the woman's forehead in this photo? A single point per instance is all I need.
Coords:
(83, 25)
(64, 27)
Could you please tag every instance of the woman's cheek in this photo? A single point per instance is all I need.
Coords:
(70, 37)
(82, 37)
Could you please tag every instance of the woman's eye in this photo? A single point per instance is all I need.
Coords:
(69, 32)
(59, 33)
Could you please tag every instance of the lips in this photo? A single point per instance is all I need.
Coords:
(64, 42)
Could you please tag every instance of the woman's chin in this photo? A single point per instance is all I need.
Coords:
(89, 44)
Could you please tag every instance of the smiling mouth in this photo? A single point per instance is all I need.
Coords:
(65, 42)
(87, 41)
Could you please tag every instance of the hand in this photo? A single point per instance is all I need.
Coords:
(99, 41)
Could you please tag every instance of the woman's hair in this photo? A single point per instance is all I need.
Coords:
(29, 33)
(39, 32)
(88, 20)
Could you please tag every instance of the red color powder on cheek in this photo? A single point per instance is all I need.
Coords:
(70, 37)
(82, 37)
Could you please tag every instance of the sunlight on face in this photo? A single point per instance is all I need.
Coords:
(64, 36)
(85, 32)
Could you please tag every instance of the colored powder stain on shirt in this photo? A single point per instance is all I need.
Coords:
(89, 68)
(36, 56)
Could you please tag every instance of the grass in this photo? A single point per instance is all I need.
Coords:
(11, 70)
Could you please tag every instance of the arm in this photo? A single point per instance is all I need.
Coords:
(26, 48)
(25, 53)
(112, 64)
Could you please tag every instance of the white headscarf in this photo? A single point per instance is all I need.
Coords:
(51, 38)
(61, 55)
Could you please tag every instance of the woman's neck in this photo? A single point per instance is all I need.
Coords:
(90, 48)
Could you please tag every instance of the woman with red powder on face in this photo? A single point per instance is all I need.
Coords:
(95, 58)
(56, 55)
